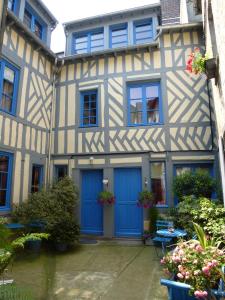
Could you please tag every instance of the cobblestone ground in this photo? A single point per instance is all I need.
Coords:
(104, 271)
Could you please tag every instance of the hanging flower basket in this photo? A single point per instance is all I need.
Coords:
(145, 199)
(106, 198)
(198, 63)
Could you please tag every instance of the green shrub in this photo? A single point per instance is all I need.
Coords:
(198, 184)
(208, 214)
(12, 292)
(153, 216)
(55, 208)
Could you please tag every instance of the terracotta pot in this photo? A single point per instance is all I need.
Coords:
(210, 68)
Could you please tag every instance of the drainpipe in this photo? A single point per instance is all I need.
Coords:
(55, 73)
(210, 115)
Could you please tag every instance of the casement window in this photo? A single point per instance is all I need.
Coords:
(61, 171)
(144, 104)
(86, 42)
(89, 108)
(12, 5)
(143, 31)
(9, 80)
(37, 178)
(34, 22)
(158, 182)
(5, 180)
(118, 36)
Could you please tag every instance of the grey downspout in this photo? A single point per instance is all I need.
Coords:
(55, 73)
(210, 116)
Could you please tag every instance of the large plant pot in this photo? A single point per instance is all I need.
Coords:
(34, 245)
(211, 68)
(61, 247)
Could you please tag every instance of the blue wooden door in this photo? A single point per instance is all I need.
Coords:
(91, 211)
(128, 216)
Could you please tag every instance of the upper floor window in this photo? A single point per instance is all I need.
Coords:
(37, 178)
(118, 36)
(89, 41)
(5, 179)
(143, 32)
(89, 108)
(158, 182)
(144, 104)
(61, 171)
(12, 5)
(9, 79)
(32, 21)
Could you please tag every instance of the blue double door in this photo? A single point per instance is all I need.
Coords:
(91, 211)
(128, 216)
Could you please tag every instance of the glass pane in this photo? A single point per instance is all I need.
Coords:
(61, 171)
(93, 97)
(2, 198)
(27, 18)
(143, 35)
(158, 182)
(203, 168)
(81, 46)
(146, 27)
(135, 105)
(136, 118)
(85, 121)
(3, 181)
(152, 92)
(10, 4)
(93, 104)
(93, 112)
(119, 39)
(8, 88)
(152, 104)
(153, 116)
(36, 177)
(81, 51)
(86, 113)
(9, 74)
(97, 36)
(81, 39)
(38, 29)
(119, 32)
(6, 103)
(92, 120)
(4, 162)
(136, 93)
(182, 170)
(97, 43)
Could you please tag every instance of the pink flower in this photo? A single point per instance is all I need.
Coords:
(214, 263)
(206, 270)
(179, 275)
(197, 272)
(199, 248)
(200, 294)
(162, 261)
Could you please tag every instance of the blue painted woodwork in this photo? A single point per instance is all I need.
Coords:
(118, 36)
(128, 216)
(13, 5)
(15, 83)
(193, 167)
(143, 31)
(15, 226)
(163, 224)
(142, 105)
(89, 109)
(177, 290)
(35, 22)
(5, 178)
(88, 41)
(176, 233)
(91, 210)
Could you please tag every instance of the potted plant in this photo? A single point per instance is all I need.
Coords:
(145, 199)
(106, 197)
(199, 63)
(197, 263)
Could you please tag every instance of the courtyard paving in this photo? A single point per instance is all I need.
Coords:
(106, 271)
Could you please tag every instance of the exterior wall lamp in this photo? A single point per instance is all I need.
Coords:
(146, 182)
(105, 181)
(91, 159)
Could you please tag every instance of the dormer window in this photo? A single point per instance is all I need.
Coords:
(118, 36)
(143, 31)
(34, 22)
(86, 42)
(12, 5)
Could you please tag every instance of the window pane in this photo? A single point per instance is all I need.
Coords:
(9, 74)
(97, 43)
(152, 92)
(81, 46)
(81, 39)
(36, 179)
(203, 168)
(92, 120)
(135, 105)
(182, 170)
(158, 182)
(3, 181)
(61, 171)
(4, 162)
(97, 36)
(2, 198)
(143, 35)
(153, 116)
(119, 32)
(10, 4)
(145, 27)
(81, 51)
(136, 93)
(27, 18)
(6, 103)
(136, 118)
(119, 39)
(152, 104)
(89, 116)
(8, 88)
(38, 29)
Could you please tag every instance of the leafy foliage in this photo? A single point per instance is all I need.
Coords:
(145, 199)
(153, 216)
(198, 184)
(106, 197)
(208, 214)
(196, 62)
(55, 208)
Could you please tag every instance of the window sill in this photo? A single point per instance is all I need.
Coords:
(147, 125)
(162, 206)
(7, 112)
(88, 126)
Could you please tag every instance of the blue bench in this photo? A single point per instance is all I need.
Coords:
(164, 241)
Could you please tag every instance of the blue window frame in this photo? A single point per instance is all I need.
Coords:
(12, 5)
(86, 42)
(5, 180)
(9, 81)
(89, 108)
(61, 171)
(37, 178)
(118, 36)
(158, 182)
(34, 22)
(144, 104)
(182, 168)
(143, 31)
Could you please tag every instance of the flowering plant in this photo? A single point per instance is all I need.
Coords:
(145, 199)
(197, 263)
(106, 197)
(196, 62)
